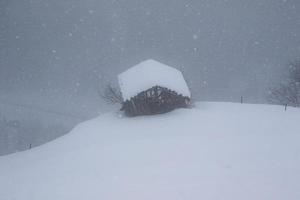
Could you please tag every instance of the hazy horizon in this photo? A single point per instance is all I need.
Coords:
(226, 49)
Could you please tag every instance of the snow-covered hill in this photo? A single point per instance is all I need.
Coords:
(213, 151)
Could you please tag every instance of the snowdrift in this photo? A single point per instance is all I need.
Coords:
(213, 151)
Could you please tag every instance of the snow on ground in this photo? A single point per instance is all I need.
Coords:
(148, 74)
(214, 151)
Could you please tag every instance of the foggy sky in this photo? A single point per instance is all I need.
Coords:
(59, 49)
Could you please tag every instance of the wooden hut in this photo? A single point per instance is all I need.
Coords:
(153, 88)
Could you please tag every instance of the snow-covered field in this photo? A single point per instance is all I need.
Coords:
(215, 151)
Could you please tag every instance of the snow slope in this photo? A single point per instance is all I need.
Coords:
(148, 74)
(214, 151)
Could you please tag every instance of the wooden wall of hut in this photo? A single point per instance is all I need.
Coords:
(156, 100)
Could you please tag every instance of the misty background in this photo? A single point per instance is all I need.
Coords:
(55, 54)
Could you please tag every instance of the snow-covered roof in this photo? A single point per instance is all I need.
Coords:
(151, 73)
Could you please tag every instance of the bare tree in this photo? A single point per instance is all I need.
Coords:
(288, 92)
(110, 94)
(285, 94)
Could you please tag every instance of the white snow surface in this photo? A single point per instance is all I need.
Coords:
(148, 74)
(213, 151)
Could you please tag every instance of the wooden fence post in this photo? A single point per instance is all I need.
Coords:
(285, 107)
